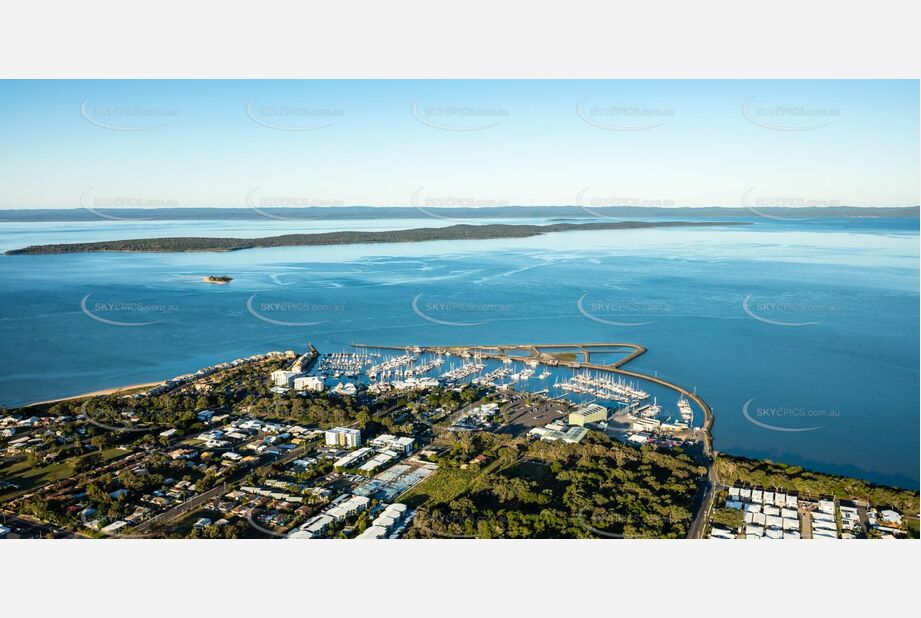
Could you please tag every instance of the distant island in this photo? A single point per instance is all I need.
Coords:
(453, 232)
(219, 279)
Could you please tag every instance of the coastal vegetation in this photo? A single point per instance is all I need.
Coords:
(597, 488)
(767, 474)
(28, 473)
(453, 232)
(487, 484)
(732, 519)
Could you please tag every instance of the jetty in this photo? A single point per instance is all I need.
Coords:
(579, 356)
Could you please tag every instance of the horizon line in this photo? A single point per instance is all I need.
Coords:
(457, 207)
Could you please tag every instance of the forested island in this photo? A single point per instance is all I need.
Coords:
(453, 232)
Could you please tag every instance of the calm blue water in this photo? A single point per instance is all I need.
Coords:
(814, 325)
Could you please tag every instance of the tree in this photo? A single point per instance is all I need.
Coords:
(731, 518)
(87, 462)
(37, 506)
(363, 418)
(97, 494)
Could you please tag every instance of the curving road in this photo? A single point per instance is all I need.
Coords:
(500, 352)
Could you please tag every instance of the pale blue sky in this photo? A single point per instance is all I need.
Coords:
(211, 143)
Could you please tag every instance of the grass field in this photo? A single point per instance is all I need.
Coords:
(27, 477)
(531, 470)
(445, 485)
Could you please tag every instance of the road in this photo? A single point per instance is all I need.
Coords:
(24, 527)
(178, 511)
(196, 501)
(698, 526)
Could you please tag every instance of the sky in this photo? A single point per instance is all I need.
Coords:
(134, 143)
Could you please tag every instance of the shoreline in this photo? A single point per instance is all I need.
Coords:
(458, 232)
(710, 451)
(104, 391)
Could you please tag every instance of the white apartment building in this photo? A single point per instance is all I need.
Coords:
(283, 378)
(309, 383)
(343, 436)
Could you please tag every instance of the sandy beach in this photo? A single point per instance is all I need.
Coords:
(106, 391)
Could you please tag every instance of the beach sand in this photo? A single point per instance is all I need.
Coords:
(106, 391)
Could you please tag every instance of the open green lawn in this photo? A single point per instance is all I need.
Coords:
(27, 477)
(442, 486)
(445, 485)
(531, 470)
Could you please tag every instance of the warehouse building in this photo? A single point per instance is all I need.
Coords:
(590, 413)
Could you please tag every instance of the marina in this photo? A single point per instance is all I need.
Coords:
(539, 369)
(679, 339)
(603, 387)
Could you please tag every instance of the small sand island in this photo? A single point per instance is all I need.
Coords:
(219, 279)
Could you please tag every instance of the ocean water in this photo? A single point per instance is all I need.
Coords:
(803, 336)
